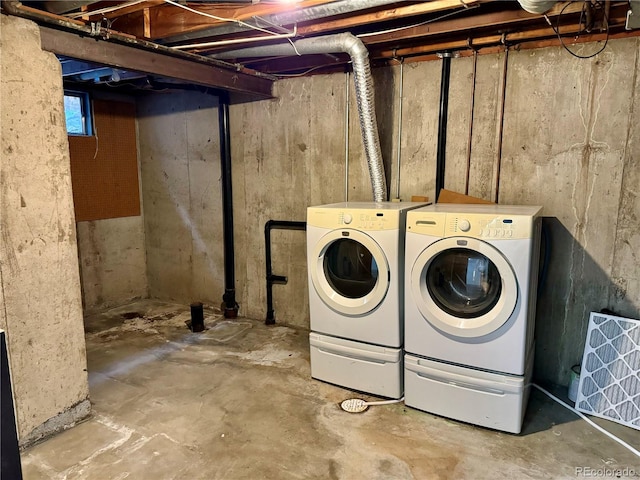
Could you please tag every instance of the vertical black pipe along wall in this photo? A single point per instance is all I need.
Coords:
(442, 125)
(230, 306)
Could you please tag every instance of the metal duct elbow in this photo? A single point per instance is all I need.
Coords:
(353, 46)
(367, 114)
(536, 6)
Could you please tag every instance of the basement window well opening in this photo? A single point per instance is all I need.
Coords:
(77, 112)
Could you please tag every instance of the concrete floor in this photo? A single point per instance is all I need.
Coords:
(237, 402)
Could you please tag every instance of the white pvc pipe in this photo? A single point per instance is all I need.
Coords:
(589, 421)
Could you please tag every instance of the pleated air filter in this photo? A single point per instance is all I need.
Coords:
(610, 376)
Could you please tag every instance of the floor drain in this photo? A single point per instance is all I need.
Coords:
(357, 405)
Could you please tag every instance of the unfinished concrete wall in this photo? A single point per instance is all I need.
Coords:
(113, 266)
(288, 153)
(42, 309)
(569, 144)
(181, 196)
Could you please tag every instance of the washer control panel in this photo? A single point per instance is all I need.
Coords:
(464, 225)
(483, 226)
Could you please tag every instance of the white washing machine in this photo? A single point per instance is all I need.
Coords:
(355, 259)
(470, 290)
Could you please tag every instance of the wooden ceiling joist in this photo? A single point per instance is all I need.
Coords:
(166, 20)
(396, 13)
(126, 9)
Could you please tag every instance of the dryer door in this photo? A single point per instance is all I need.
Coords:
(351, 272)
(464, 286)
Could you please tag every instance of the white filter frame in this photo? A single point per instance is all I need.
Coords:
(610, 374)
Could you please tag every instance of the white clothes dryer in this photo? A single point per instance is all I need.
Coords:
(355, 254)
(355, 260)
(471, 277)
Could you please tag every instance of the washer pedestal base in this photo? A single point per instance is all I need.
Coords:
(487, 399)
(358, 366)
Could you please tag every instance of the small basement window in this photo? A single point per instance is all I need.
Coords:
(77, 110)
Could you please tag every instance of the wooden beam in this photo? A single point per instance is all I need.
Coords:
(128, 9)
(135, 24)
(168, 20)
(254, 10)
(147, 23)
(483, 20)
(155, 63)
(161, 27)
(355, 20)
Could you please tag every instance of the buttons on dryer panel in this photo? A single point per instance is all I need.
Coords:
(496, 233)
(347, 219)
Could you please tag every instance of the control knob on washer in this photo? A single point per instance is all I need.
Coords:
(347, 218)
(464, 225)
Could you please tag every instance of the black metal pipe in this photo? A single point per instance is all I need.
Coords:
(442, 125)
(503, 99)
(229, 297)
(271, 278)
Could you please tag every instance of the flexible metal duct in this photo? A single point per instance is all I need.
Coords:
(342, 42)
(536, 6)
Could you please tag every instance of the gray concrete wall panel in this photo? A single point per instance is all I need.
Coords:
(566, 126)
(38, 254)
(420, 129)
(113, 261)
(288, 153)
(180, 176)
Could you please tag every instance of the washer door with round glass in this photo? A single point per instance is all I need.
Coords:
(351, 272)
(464, 287)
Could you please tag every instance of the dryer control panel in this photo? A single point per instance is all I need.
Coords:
(359, 219)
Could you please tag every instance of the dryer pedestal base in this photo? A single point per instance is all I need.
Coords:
(478, 397)
(357, 366)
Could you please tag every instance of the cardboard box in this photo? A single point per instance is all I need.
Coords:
(448, 196)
